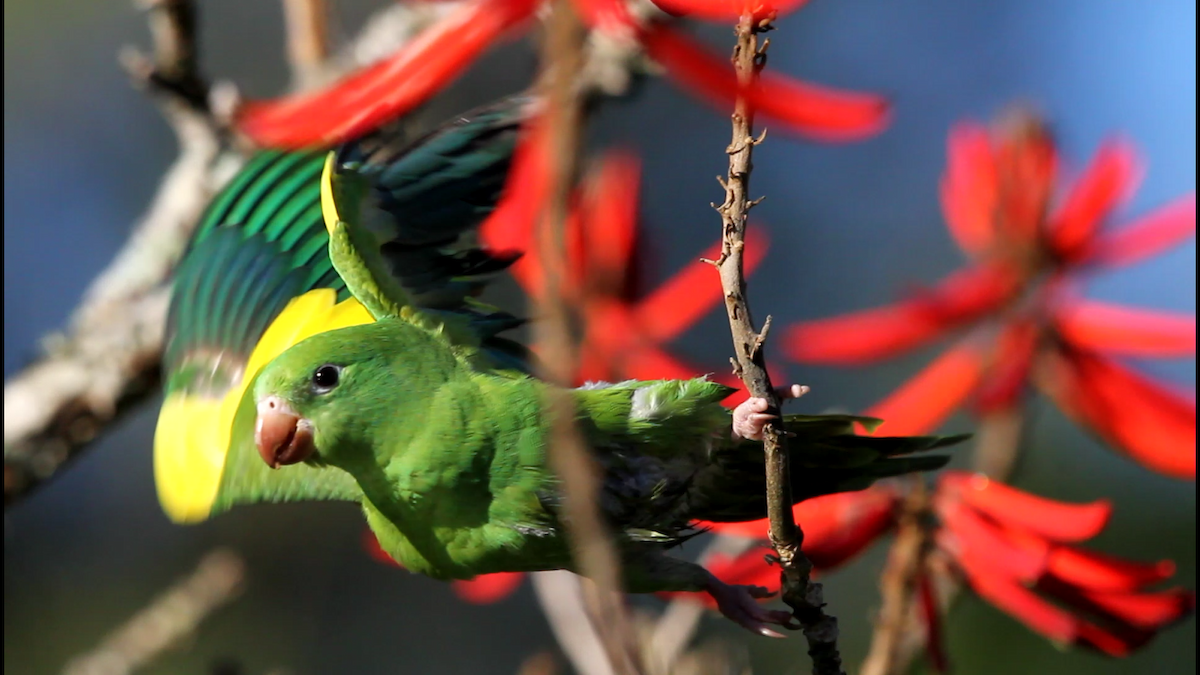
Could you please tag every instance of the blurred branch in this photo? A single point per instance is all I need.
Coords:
(677, 625)
(1000, 438)
(593, 551)
(170, 617)
(108, 358)
(560, 594)
(898, 583)
(307, 23)
(803, 596)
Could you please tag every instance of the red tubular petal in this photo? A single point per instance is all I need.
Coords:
(487, 588)
(1014, 508)
(1111, 178)
(836, 532)
(985, 549)
(935, 648)
(371, 544)
(1052, 622)
(511, 224)
(1025, 606)
(1027, 167)
(1152, 424)
(610, 206)
(1008, 373)
(388, 89)
(1135, 616)
(1148, 236)
(692, 292)
(1147, 611)
(647, 362)
(862, 337)
(836, 527)
(969, 187)
(1113, 329)
(610, 16)
(727, 11)
(1098, 572)
(816, 112)
(925, 401)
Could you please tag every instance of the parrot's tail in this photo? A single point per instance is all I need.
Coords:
(825, 455)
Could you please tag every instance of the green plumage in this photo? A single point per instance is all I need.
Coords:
(452, 460)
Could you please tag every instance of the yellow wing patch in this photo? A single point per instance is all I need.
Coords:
(193, 433)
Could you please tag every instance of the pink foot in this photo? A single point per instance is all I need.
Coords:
(750, 416)
(740, 605)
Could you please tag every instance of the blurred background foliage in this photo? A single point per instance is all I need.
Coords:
(851, 226)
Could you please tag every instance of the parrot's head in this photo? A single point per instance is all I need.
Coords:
(321, 398)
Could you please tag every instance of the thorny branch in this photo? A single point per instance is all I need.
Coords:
(174, 614)
(593, 551)
(803, 596)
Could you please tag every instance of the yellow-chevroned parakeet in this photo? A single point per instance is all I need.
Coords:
(257, 278)
(451, 454)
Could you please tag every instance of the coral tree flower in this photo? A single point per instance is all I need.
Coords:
(1029, 326)
(1018, 552)
(394, 86)
(624, 331)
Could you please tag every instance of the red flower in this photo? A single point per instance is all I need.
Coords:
(383, 91)
(836, 528)
(624, 331)
(1029, 326)
(1016, 551)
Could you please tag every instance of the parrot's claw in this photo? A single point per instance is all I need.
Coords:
(750, 417)
(740, 605)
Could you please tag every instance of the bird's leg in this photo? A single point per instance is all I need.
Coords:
(740, 605)
(751, 416)
(649, 571)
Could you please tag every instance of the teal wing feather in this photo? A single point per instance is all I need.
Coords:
(262, 242)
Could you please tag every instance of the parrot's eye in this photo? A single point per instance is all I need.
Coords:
(325, 378)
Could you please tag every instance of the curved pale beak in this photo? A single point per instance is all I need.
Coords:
(282, 436)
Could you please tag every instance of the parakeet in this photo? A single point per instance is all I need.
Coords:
(257, 278)
(450, 452)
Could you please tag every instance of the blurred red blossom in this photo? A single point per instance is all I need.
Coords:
(1030, 325)
(394, 86)
(624, 331)
(1017, 551)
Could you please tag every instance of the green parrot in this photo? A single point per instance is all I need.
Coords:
(257, 278)
(449, 452)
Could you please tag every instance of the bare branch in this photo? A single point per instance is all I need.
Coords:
(593, 551)
(560, 594)
(307, 27)
(898, 583)
(799, 593)
(108, 358)
(170, 617)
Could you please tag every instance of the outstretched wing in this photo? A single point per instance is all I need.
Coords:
(258, 278)
(384, 217)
